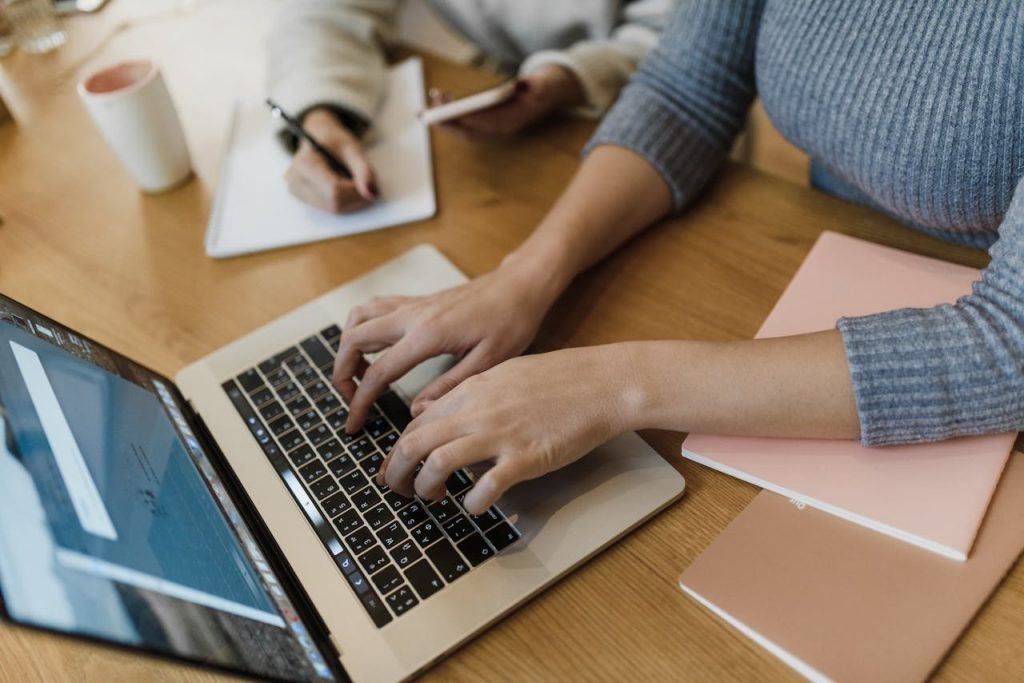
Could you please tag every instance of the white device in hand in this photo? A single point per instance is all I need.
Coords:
(468, 105)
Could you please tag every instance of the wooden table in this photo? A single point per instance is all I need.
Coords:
(79, 242)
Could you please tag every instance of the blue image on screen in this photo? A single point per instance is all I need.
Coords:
(135, 511)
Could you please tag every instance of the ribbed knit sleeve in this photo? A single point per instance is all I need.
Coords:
(953, 370)
(688, 101)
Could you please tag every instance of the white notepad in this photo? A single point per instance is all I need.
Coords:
(253, 210)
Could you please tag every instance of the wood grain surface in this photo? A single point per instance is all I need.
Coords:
(79, 242)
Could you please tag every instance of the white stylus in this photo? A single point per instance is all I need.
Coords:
(468, 105)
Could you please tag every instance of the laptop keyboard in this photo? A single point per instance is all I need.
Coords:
(394, 551)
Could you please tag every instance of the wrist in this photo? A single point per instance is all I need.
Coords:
(558, 86)
(542, 271)
(642, 371)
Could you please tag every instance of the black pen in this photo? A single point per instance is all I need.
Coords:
(334, 162)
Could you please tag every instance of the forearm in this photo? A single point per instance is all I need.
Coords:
(330, 52)
(783, 387)
(613, 196)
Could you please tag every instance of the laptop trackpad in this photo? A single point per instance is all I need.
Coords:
(578, 509)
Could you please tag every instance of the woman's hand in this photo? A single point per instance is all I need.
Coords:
(482, 323)
(538, 94)
(312, 181)
(529, 416)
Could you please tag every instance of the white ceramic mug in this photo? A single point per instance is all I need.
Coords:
(130, 105)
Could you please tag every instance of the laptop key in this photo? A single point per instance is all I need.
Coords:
(327, 403)
(402, 600)
(348, 522)
(443, 510)
(366, 499)
(374, 559)
(458, 482)
(345, 562)
(301, 455)
(261, 396)
(337, 419)
(387, 580)
(360, 540)
(313, 471)
(392, 534)
(272, 411)
(296, 363)
(319, 434)
(277, 377)
(358, 581)
(376, 609)
(329, 450)
(336, 504)
(488, 519)
(377, 427)
(447, 560)
(318, 389)
(250, 380)
(395, 408)
(427, 533)
(341, 464)
(413, 514)
(458, 527)
(476, 549)
(307, 376)
(282, 425)
(353, 481)
(297, 406)
(278, 359)
(286, 392)
(292, 439)
(502, 536)
(424, 579)
(307, 419)
(362, 448)
(395, 500)
(331, 333)
(324, 487)
(405, 553)
(387, 442)
(379, 516)
(371, 465)
(317, 352)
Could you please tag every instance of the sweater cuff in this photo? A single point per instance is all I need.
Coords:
(598, 92)
(641, 122)
(916, 375)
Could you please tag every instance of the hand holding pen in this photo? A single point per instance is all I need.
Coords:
(330, 170)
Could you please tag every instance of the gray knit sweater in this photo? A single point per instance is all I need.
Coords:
(914, 107)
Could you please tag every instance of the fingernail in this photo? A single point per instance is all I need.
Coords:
(522, 85)
(372, 187)
(433, 93)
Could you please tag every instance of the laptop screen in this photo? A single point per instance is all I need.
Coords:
(113, 523)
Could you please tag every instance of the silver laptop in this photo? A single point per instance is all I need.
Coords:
(228, 519)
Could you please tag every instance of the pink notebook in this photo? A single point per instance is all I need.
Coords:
(837, 602)
(932, 495)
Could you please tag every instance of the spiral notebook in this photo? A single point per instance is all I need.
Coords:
(932, 495)
(253, 210)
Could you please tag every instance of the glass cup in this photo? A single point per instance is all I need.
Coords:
(36, 25)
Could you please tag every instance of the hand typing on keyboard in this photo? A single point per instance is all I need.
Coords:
(394, 551)
(483, 322)
(530, 415)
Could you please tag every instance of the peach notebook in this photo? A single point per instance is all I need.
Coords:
(932, 495)
(838, 602)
